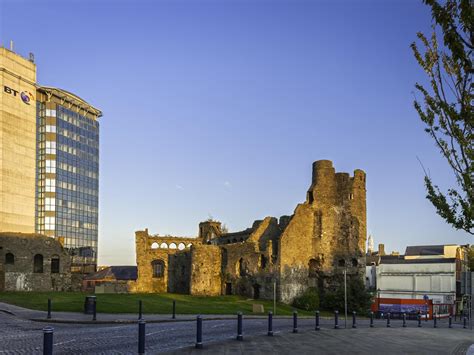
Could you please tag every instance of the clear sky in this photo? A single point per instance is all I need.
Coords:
(220, 107)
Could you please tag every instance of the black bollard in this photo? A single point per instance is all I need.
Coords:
(435, 325)
(464, 322)
(49, 309)
(317, 321)
(295, 322)
(388, 320)
(48, 340)
(419, 320)
(270, 324)
(174, 309)
(450, 322)
(354, 325)
(239, 326)
(404, 320)
(336, 319)
(140, 309)
(141, 336)
(94, 315)
(199, 332)
(371, 319)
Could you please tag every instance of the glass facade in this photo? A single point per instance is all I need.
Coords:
(68, 181)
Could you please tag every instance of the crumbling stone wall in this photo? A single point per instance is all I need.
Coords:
(326, 234)
(205, 270)
(161, 248)
(179, 272)
(17, 263)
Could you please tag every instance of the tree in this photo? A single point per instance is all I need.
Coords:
(446, 110)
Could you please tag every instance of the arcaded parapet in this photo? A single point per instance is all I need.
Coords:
(206, 270)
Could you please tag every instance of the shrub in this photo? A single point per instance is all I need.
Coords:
(308, 301)
(358, 298)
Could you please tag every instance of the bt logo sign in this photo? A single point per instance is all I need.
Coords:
(25, 96)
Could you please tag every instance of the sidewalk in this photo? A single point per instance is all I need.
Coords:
(115, 318)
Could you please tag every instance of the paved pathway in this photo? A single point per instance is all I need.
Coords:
(18, 335)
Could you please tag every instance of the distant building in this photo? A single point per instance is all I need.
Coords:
(430, 274)
(110, 279)
(31, 262)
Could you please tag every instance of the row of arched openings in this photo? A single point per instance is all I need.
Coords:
(164, 245)
(38, 263)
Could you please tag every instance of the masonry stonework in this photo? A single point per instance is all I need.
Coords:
(325, 235)
(32, 262)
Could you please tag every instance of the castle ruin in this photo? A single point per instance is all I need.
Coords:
(325, 235)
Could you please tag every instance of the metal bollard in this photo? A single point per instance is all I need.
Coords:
(199, 332)
(419, 320)
(270, 324)
(295, 322)
(48, 340)
(435, 325)
(140, 309)
(354, 325)
(388, 320)
(239, 326)
(426, 316)
(141, 336)
(49, 309)
(404, 325)
(450, 322)
(174, 309)
(336, 319)
(464, 322)
(94, 315)
(371, 319)
(317, 321)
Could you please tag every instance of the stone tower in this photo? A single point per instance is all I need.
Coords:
(326, 234)
(209, 230)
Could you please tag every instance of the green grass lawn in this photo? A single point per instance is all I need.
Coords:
(152, 303)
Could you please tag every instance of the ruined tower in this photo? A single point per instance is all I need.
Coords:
(326, 234)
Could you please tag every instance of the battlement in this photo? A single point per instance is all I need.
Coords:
(329, 186)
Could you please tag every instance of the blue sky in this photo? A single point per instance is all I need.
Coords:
(220, 107)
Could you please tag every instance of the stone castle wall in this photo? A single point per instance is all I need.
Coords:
(325, 235)
(18, 273)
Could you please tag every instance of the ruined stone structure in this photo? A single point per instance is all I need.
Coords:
(325, 235)
(33, 262)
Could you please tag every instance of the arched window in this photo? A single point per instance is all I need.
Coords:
(263, 261)
(342, 262)
(355, 262)
(189, 245)
(164, 246)
(155, 245)
(158, 268)
(181, 246)
(38, 263)
(9, 258)
(55, 264)
(173, 246)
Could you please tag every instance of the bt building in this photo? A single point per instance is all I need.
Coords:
(49, 161)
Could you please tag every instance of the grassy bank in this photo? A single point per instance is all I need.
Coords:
(152, 303)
